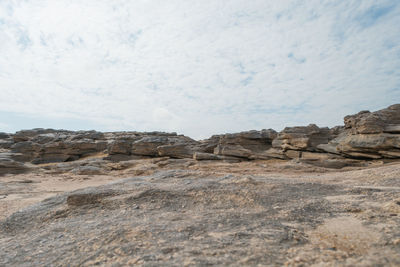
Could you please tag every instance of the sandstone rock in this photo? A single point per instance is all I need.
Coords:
(367, 145)
(392, 128)
(200, 156)
(233, 150)
(85, 146)
(87, 170)
(366, 122)
(9, 165)
(305, 138)
(368, 135)
(27, 149)
(334, 163)
(53, 157)
(256, 141)
(123, 157)
(319, 156)
(93, 135)
(215, 217)
(178, 151)
(120, 147)
(25, 135)
(6, 143)
(330, 147)
(391, 153)
(274, 153)
(147, 146)
(293, 154)
(250, 144)
(364, 155)
(88, 196)
(45, 138)
(4, 135)
(206, 156)
(208, 145)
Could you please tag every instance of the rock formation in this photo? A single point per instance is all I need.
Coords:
(254, 198)
(364, 136)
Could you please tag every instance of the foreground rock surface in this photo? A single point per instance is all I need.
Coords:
(177, 212)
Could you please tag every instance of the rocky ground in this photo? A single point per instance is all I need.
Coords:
(174, 212)
(302, 196)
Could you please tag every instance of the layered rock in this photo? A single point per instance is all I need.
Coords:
(369, 135)
(48, 145)
(248, 145)
(6, 140)
(365, 135)
(9, 165)
(382, 121)
(304, 138)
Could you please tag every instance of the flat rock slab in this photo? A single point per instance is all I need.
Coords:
(208, 215)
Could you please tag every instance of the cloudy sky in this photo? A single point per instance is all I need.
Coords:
(195, 67)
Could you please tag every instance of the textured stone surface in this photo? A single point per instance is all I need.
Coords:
(369, 135)
(250, 144)
(305, 138)
(222, 214)
(366, 135)
(365, 122)
(9, 165)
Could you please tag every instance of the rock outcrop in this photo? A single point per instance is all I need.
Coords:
(246, 145)
(369, 135)
(364, 136)
(9, 165)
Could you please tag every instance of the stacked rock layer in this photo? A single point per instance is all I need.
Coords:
(364, 136)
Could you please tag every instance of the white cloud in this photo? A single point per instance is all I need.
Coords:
(198, 67)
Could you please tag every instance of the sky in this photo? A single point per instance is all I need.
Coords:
(195, 67)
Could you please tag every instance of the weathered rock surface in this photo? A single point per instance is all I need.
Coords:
(243, 214)
(366, 135)
(365, 122)
(255, 198)
(304, 138)
(248, 145)
(369, 135)
(6, 141)
(9, 165)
